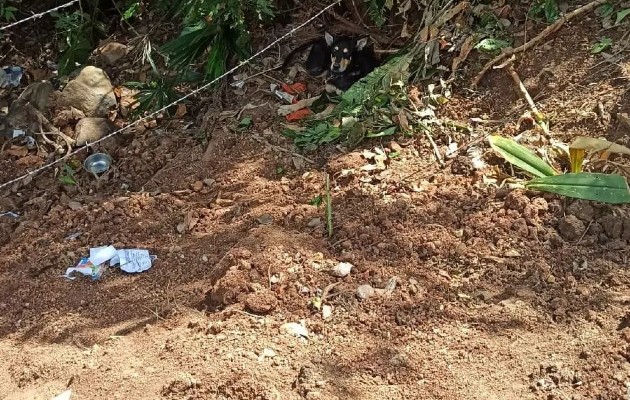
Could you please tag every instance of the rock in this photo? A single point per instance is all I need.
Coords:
(626, 229)
(341, 270)
(581, 209)
(112, 52)
(90, 130)
(613, 225)
(38, 94)
(395, 147)
(365, 291)
(265, 219)
(90, 92)
(534, 209)
(516, 200)
(315, 222)
(326, 311)
(261, 302)
(571, 228)
(294, 329)
(75, 205)
(197, 186)
(63, 118)
(519, 226)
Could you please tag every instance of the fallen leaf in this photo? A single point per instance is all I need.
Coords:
(403, 121)
(30, 160)
(181, 110)
(17, 151)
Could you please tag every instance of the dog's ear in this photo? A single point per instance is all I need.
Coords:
(361, 43)
(329, 38)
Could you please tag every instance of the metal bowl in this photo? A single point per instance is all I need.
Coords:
(97, 163)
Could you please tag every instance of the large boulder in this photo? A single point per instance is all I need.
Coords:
(90, 92)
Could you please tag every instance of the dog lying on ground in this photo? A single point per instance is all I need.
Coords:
(342, 60)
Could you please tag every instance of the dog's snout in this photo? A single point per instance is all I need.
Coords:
(336, 66)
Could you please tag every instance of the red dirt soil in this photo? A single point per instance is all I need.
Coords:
(499, 294)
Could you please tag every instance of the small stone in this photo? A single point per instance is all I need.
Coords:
(315, 222)
(75, 205)
(613, 225)
(326, 311)
(204, 258)
(395, 147)
(209, 181)
(112, 52)
(571, 228)
(294, 329)
(265, 219)
(91, 129)
(266, 353)
(342, 269)
(512, 253)
(197, 186)
(582, 209)
(261, 302)
(365, 291)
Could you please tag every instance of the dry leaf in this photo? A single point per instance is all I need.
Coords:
(181, 110)
(403, 121)
(30, 160)
(17, 151)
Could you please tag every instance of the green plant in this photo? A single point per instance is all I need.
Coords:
(364, 110)
(548, 9)
(377, 9)
(78, 32)
(602, 45)
(606, 188)
(153, 95)
(7, 12)
(216, 27)
(67, 177)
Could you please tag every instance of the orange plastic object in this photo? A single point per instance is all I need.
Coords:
(298, 115)
(295, 88)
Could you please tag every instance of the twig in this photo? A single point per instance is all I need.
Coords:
(538, 38)
(538, 116)
(584, 233)
(354, 28)
(435, 148)
(328, 207)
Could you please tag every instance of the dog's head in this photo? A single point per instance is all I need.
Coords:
(342, 50)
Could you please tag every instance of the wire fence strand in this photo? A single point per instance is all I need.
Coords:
(39, 15)
(151, 115)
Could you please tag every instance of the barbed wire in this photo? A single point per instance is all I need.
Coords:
(145, 118)
(39, 15)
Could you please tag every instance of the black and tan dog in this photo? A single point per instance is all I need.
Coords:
(343, 60)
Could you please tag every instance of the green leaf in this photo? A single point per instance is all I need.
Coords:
(131, 11)
(621, 15)
(316, 201)
(245, 122)
(387, 132)
(605, 10)
(67, 180)
(602, 45)
(492, 45)
(552, 12)
(521, 157)
(605, 188)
